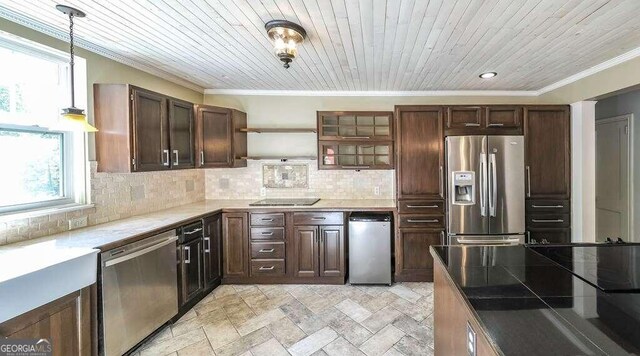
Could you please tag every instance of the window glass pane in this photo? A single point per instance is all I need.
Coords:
(35, 164)
(32, 89)
(365, 120)
(382, 120)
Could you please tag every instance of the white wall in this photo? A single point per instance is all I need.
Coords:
(628, 103)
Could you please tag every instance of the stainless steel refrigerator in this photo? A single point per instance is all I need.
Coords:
(485, 193)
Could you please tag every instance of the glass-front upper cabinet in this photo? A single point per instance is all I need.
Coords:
(355, 125)
(347, 155)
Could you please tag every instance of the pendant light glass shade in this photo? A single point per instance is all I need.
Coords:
(286, 37)
(72, 118)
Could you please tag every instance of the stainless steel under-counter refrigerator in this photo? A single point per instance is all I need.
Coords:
(485, 192)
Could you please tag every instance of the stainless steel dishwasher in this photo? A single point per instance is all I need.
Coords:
(370, 248)
(139, 292)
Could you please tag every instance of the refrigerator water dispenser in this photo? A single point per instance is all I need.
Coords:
(464, 188)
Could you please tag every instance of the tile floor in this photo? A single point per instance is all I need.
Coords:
(303, 320)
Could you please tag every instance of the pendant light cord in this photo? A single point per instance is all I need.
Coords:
(71, 61)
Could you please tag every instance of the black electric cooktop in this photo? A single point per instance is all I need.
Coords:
(611, 268)
(286, 202)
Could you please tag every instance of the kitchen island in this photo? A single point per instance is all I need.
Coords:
(538, 300)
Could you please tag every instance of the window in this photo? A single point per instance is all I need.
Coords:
(41, 166)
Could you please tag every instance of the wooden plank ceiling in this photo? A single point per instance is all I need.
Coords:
(382, 45)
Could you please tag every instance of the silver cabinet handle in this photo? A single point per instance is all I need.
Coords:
(266, 219)
(202, 158)
(270, 268)
(547, 206)
(441, 181)
(193, 231)
(469, 124)
(495, 125)
(442, 237)
(423, 220)
(175, 154)
(554, 221)
(165, 161)
(483, 184)
(352, 137)
(266, 250)
(423, 206)
(354, 167)
(207, 244)
(528, 181)
(318, 218)
(135, 254)
(266, 233)
(187, 252)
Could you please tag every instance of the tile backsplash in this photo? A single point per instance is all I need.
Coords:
(246, 183)
(115, 196)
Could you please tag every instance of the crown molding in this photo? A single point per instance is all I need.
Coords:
(634, 53)
(51, 31)
(421, 93)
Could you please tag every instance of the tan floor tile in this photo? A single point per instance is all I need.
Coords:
(353, 310)
(342, 347)
(380, 319)
(221, 334)
(270, 347)
(286, 332)
(380, 301)
(412, 347)
(245, 343)
(313, 342)
(353, 332)
(201, 348)
(379, 343)
(173, 344)
(260, 321)
(184, 327)
(296, 311)
(406, 293)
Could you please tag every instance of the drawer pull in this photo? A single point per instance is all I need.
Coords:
(355, 167)
(468, 124)
(555, 221)
(270, 268)
(423, 206)
(547, 206)
(423, 221)
(354, 137)
(496, 125)
(267, 219)
(318, 218)
(266, 250)
(267, 233)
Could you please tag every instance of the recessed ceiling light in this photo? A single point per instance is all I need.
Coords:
(488, 75)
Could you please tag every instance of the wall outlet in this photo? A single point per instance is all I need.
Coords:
(376, 191)
(263, 191)
(77, 223)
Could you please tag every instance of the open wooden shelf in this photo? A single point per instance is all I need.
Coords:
(280, 129)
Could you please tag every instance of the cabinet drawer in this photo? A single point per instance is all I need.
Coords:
(318, 218)
(267, 268)
(549, 236)
(548, 206)
(548, 220)
(267, 219)
(435, 207)
(270, 250)
(425, 221)
(267, 233)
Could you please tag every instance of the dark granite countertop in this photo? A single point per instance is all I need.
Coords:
(551, 300)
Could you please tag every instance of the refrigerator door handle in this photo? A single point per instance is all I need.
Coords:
(493, 182)
(483, 184)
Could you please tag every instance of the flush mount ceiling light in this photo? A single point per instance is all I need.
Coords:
(73, 118)
(488, 75)
(286, 36)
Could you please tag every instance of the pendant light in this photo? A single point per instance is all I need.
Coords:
(73, 118)
(286, 36)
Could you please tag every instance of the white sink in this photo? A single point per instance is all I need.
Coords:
(36, 274)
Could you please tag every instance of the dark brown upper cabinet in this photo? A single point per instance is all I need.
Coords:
(420, 147)
(355, 140)
(182, 131)
(483, 120)
(547, 134)
(220, 141)
(140, 130)
(355, 125)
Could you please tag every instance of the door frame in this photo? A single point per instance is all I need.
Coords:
(628, 118)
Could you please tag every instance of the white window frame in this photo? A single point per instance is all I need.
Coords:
(74, 144)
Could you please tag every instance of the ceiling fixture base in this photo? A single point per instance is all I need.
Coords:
(72, 11)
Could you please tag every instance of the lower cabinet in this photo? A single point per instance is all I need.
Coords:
(211, 252)
(191, 283)
(235, 242)
(319, 251)
(65, 323)
(413, 259)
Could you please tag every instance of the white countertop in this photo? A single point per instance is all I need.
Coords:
(46, 267)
